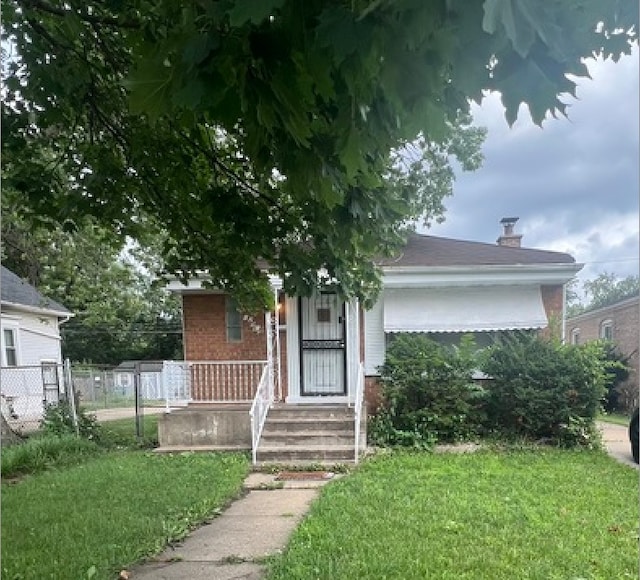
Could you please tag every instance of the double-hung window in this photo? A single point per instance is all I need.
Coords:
(10, 347)
(606, 330)
(233, 320)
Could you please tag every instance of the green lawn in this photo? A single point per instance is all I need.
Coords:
(91, 520)
(532, 514)
(615, 418)
(123, 431)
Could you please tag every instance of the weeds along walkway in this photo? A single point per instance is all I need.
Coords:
(236, 544)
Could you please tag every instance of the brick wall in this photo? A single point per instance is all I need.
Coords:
(553, 301)
(205, 335)
(625, 319)
(373, 398)
(205, 331)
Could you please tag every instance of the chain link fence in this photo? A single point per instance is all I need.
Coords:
(26, 390)
(108, 392)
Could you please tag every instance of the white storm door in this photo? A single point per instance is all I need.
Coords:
(322, 345)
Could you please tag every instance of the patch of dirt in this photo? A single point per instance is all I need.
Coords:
(301, 475)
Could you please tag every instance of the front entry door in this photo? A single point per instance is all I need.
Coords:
(322, 348)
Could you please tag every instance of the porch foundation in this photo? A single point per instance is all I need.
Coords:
(212, 426)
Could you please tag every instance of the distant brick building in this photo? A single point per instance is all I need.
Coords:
(618, 322)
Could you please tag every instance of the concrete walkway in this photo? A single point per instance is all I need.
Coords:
(234, 545)
(616, 441)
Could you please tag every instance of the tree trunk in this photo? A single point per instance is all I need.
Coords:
(7, 435)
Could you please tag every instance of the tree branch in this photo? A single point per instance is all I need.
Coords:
(39, 5)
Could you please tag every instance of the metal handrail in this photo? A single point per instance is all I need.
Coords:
(259, 409)
(358, 404)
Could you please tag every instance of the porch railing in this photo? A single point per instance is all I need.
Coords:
(260, 407)
(212, 381)
(358, 404)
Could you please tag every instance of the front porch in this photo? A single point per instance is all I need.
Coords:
(240, 405)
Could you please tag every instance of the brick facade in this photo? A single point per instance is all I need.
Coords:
(625, 328)
(205, 336)
(205, 331)
(553, 301)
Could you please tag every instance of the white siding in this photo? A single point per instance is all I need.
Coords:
(293, 347)
(39, 339)
(374, 349)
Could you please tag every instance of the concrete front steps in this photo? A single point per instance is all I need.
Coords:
(323, 434)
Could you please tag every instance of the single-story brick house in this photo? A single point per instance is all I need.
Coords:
(620, 323)
(325, 350)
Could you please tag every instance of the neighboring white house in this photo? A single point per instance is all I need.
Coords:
(30, 357)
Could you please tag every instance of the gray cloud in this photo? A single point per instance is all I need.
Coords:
(574, 183)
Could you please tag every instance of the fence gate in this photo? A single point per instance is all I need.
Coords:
(50, 383)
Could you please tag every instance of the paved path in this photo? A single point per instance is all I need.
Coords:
(235, 544)
(616, 441)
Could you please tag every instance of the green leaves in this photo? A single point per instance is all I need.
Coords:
(275, 129)
(254, 11)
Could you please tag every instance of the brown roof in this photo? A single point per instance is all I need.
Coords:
(432, 251)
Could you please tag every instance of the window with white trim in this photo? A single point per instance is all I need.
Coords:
(9, 347)
(575, 336)
(233, 320)
(606, 329)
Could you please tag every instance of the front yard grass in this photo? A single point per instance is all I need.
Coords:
(615, 418)
(529, 514)
(91, 520)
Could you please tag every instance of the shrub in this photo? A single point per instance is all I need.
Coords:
(58, 420)
(428, 391)
(545, 390)
(614, 400)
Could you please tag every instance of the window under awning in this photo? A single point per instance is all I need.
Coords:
(465, 309)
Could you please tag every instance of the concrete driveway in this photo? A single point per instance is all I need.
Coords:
(616, 441)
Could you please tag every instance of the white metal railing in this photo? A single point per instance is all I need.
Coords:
(358, 404)
(211, 381)
(262, 402)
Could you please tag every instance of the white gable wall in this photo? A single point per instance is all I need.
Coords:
(37, 336)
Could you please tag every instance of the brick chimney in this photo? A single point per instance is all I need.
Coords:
(508, 238)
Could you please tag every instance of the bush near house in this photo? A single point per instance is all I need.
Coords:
(543, 389)
(540, 389)
(429, 393)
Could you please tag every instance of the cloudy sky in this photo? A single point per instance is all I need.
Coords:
(574, 183)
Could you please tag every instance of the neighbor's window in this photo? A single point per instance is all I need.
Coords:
(234, 320)
(10, 347)
(606, 330)
(575, 336)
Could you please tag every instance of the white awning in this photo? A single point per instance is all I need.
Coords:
(467, 309)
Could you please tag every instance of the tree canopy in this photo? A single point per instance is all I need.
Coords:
(603, 290)
(274, 131)
(119, 314)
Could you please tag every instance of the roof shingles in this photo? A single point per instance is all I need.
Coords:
(14, 290)
(431, 251)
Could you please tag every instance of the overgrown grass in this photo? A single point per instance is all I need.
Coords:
(40, 453)
(91, 520)
(530, 514)
(43, 451)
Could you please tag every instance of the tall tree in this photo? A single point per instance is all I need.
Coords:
(119, 312)
(267, 129)
(605, 289)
